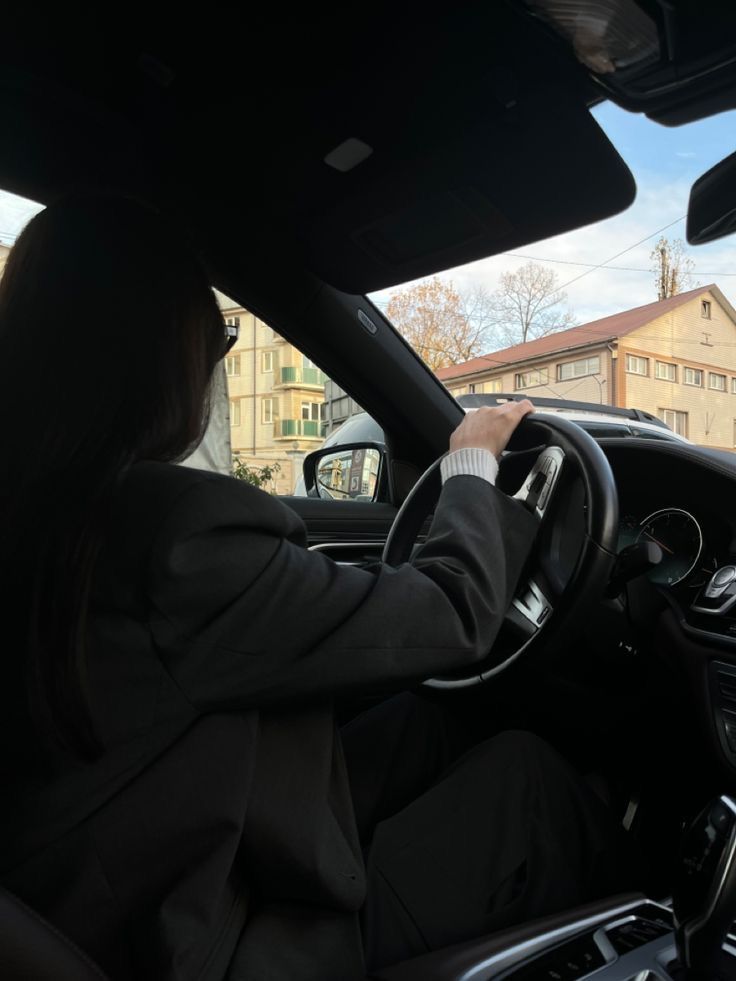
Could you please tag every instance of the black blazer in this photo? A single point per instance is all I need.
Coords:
(215, 836)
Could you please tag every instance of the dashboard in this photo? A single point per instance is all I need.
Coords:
(684, 505)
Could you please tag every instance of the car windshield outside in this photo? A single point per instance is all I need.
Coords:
(619, 316)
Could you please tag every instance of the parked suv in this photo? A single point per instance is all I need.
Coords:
(601, 421)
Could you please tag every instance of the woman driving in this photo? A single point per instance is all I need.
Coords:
(178, 800)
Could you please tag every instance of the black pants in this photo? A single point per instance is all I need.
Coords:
(460, 844)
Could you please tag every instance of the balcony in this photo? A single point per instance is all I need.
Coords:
(303, 377)
(297, 429)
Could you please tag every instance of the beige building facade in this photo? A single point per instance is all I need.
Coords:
(275, 397)
(675, 359)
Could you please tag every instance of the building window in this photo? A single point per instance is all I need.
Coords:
(637, 366)
(665, 371)
(716, 382)
(267, 410)
(311, 411)
(233, 321)
(733, 386)
(693, 376)
(471, 388)
(496, 385)
(267, 361)
(578, 368)
(705, 309)
(528, 379)
(677, 421)
(234, 412)
(232, 364)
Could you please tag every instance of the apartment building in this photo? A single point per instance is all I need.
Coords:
(275, 398)
(675, 358)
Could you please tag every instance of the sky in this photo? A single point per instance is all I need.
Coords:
(665, 163)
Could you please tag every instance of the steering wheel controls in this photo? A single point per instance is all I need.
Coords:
(540, 482)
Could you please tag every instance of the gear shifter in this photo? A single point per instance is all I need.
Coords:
(704, 895)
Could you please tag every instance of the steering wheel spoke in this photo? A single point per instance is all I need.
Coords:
(538, 488)
(530, 609)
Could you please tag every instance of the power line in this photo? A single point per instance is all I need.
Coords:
(622, 252)
(591, 265)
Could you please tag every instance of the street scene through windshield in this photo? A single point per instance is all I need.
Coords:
(620, 315)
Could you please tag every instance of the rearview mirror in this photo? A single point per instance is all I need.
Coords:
(711, 211)
(344, 473)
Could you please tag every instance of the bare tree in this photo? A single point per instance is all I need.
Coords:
(443, 326)
(528, 305)
(480, 308)
(672, 267)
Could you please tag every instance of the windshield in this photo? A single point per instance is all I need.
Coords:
(621, 313)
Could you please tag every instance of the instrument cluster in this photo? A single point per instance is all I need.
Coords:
(686, 556)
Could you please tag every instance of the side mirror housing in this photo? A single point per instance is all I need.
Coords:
(352, 472)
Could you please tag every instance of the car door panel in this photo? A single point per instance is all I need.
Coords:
(342, 523)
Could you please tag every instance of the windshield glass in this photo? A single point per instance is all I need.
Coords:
(622, 313)
(556, 319)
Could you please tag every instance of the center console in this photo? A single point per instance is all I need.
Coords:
(627, 938)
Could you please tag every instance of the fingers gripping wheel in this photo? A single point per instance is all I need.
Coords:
(571, 490)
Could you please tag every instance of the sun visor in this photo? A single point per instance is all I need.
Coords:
(537, 171)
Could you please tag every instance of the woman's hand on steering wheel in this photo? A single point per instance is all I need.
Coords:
(490, 428)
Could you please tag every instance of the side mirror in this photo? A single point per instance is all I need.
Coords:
(711, 211)
(351, 472)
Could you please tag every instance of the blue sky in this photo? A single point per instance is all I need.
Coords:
(670, 152)
(665, 162)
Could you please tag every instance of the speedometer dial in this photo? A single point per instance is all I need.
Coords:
(678, 535)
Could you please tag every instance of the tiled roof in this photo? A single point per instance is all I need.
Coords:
(605, 329)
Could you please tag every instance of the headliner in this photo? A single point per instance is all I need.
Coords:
(477, 116)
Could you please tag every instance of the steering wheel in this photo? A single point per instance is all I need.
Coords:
(571, 491)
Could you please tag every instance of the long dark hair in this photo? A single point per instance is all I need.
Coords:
(109, 333)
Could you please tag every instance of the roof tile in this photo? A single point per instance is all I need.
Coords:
(617, 325)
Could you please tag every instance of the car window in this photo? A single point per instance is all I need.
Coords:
(622, 314)
(271, 405)
(281, 406)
